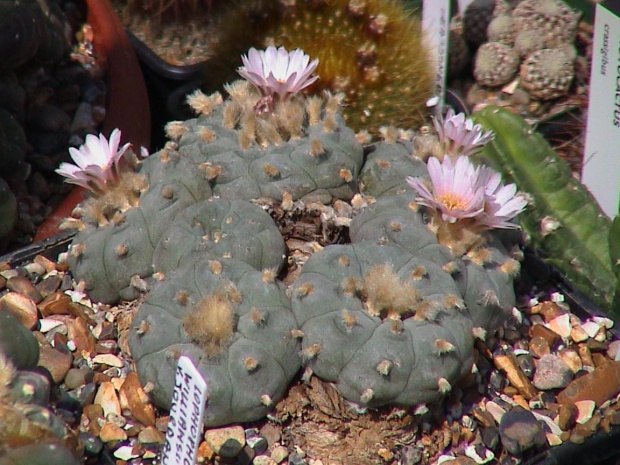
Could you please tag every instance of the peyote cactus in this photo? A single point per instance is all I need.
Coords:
(303, 150)
(564, 219)
(234, 322)
(311, 156)
(384, 325)
(390, 317)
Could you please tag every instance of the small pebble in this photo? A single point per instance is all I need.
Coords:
(520, 431)
(271, 433)
(258, 444)
(279, 454)
(75, 378)
(150, 435)
(110, 432)
(24, 286)
(92, 444)
(21, 307)
(551, 373)
(226, 442)
(56, 362)
(297, 459)
(107, 398)
(566, 416)
(125, 453)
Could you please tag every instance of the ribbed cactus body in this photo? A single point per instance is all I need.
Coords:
(254, 365)
(222, 228)
(375, 357)
(387, 165)
(484, 284)
(320, 163)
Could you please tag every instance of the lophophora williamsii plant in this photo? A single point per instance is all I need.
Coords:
(387, 309)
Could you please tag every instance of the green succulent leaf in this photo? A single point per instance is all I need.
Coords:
(563, 219)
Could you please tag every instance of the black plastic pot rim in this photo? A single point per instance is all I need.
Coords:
(161, 67)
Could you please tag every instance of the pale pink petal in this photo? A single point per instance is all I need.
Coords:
(459, 135)
(79, 157)
(276, 71)
(96, 161)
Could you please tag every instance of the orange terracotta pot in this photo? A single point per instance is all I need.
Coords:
(127, 99)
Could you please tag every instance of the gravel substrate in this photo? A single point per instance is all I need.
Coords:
(546, 381)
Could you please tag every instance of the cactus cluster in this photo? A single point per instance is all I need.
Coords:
(532, 40)
(389, 313)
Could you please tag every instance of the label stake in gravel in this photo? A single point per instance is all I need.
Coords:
(185, 425)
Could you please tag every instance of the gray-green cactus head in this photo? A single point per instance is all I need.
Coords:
(381, 323)
(299, 146)
(236, 325)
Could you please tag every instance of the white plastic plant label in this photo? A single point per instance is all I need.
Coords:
(185, 425)
(601, 170)
(436, 26)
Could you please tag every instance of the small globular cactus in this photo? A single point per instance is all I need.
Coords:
(234, 322)
(534, 41)
(382, 324)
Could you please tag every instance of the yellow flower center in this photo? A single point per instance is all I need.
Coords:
(452, 201)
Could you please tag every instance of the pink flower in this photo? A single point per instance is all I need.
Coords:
(96, 161)
(276, 71)
(456, 191)
(461, 190)
(502, 203)
(459, 135)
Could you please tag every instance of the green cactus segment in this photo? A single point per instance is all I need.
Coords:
(395, 219)
(387, 165)
(224, 228)
(42, 453)
(563, 219)
(168, 165)
(17, 343)
(106, 259)
(251, 157)
(484, 282)
(384, 325)
(246, 372)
